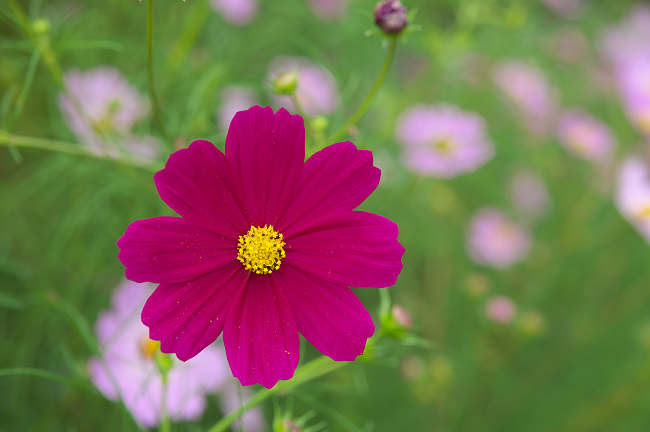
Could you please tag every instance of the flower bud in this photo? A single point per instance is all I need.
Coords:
(401, 316)
(285, 83)
(390, 16)
(41, 26)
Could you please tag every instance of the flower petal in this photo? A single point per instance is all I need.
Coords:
(352, 248)
(168, 249)
(260, 335)
(189, 316)
(339, 177)
(197, 183)
(328, 315)
(267, 151)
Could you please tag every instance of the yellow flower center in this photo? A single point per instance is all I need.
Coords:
(443, 145)
(644, 212)
(261, 249)
(643, 121)
(149, 348)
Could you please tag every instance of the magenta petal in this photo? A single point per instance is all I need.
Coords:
(189, 316)
(260, 335)
(168, 249)
(328, 315)
(267, 150)
(339, 177)
(352, 248)
(197, 183)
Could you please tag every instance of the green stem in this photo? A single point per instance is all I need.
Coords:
(301, 112)
(155, 104)
(363, 108)
(41, 42)
(314, 369)
(8, 139)
(44, 374)
(199, 12)
(165, 424)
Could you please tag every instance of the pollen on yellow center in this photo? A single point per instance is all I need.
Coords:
(149, 348)
(443, 145)
(644, 212)
(261, 249)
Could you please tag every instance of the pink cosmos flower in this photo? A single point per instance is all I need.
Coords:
(237, 12)
(528, 90)
(501, 309)
(630, 39)
(329, 9)
(443, 140)
(100, 107)
(265, 248)
(529, 194)
(633, 194)
(233, 100)
(127, 369)
(633, 79)
(585, 136)
(496, 241)
(564, 8)
(317, 91)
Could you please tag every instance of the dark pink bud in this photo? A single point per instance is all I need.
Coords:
(390, 16)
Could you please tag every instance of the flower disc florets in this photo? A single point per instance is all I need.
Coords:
(261, 249)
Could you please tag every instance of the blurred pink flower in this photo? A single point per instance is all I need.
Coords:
(443, 140)
(100, 108)
(501, 309)
(237, 12)
(328, 9)
(633, 194)
(496, 241)
(234, 99)
(127, 368)
(317, 91)
(529, 194)
(527, 89)
(630, 39)
(633, 79)
(585, 136)
(564, 8)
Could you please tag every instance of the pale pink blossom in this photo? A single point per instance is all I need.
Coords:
(501, 309)
(233, 100)
(443, 140)
(585, 136)
(526, 87)
(127, 368)
(496, 241)
(633, 194)
(237, 12)
(317, 91)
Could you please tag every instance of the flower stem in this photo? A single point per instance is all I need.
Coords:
(165, 425)
(301, 112)
(363, 108)
(41, 42)
(155, 102)
(314, 369)
(7, 139)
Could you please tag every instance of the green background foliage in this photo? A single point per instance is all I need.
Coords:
(587, 273)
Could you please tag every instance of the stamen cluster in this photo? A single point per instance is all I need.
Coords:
(261, 249)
